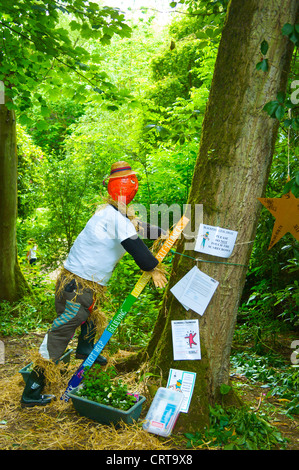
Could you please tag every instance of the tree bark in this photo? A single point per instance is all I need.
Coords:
(231, 172)
(12, 282)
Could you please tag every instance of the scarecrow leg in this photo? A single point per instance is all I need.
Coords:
(86, 343)
(72, 310)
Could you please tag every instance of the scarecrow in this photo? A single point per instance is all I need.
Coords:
(80, 289)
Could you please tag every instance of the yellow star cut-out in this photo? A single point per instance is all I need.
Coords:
(285, 209)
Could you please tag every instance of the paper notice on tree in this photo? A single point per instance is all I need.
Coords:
(185, 340)
(184, 381)
(180, 287)
(197, 291)
(215, 241)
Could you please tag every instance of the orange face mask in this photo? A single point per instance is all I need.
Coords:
(123, 188)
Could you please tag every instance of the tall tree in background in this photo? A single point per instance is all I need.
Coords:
(231, 172)
(13, 284)
(35, 48)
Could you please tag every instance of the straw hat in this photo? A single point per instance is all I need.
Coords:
(119, 169)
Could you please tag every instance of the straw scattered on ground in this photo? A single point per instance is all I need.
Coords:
(58, 426)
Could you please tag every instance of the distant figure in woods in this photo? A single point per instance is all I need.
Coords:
(81, 285)
(31, 253)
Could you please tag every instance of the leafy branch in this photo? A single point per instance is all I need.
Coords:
(278, 107)
(32, 29)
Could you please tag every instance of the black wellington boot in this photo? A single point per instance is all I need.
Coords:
(86, 343)
(32, 395)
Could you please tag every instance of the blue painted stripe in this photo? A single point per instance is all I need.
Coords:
(98, 347)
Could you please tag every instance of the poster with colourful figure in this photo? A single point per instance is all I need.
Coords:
(184, 381)
(185, 340)
(215, 241)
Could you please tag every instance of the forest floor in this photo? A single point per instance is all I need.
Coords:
(59, 427)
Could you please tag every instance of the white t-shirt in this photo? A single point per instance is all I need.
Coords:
(98, 248)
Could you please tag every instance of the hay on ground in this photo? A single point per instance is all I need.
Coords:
(58, 426)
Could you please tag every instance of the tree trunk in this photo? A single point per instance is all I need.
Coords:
(12, 283)
(231, 172)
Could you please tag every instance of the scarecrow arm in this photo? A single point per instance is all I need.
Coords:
(140, 252)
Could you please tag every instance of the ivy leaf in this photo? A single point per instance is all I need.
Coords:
(276, 108)
(295, 190)
(264, 47)
(279, 113)
(263, 65)
(292, 31)
(287, 29)
(292, 185)
(271, 108)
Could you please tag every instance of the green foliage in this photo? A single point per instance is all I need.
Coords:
(280, 379)
(265, 304)
(277, 109)
(175, 72)
(69, 197)
(12, 322)
(283, 103)
(71, 182)
(101, 137)
(30, 181)
(36, 310)
(182, 74)
(101, 387)
(272, 272)
(63, 114)
(29, 314)
(292, 185)
(236, 429)
(36, 48)
(292, 32)
(199, 8)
